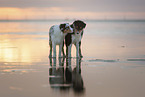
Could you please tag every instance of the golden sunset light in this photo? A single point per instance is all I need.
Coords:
(18, 51)
(10, 13)
(72, 48)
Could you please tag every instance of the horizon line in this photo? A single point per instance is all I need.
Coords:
(10, 20)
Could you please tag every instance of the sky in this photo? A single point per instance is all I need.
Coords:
(72, 9)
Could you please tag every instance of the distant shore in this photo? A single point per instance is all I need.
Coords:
(87, 20)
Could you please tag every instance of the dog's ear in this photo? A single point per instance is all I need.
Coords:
(76, 23)
(79, 24)
(62, 27)
(84, 25)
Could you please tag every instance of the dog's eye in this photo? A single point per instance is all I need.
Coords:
(66, 28)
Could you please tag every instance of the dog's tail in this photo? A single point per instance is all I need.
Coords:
(51, 31)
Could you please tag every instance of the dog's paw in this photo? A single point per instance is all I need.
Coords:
(78, 57)
(54, 57)
(50, 56)
(81, 56)
(64, 56)
(69, 57)
(61, 56)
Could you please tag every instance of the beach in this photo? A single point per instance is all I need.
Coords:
(113, 63)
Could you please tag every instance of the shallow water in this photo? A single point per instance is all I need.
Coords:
(113, 64)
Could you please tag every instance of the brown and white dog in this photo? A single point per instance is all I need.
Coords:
(75, 38)
(56, 37)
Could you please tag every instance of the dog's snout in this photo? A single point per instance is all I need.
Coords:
(77, 32)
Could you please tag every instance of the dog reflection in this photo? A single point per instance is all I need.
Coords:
(68, 77)
(75, 77)
(56, 74)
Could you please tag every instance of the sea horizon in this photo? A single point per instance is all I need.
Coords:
(91, 20)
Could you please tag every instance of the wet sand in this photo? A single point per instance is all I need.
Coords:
(113, 64)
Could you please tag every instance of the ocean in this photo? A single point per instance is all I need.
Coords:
(113, 63)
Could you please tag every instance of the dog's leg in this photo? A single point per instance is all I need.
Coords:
(77, 50)
(63, 49)
(60, 49)
(69, 51)
(80, 52)
(50, 45)
(54, 49)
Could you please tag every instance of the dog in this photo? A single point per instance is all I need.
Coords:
(75, 38)
(56, 37)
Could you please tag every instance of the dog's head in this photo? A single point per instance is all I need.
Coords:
(79, 26)
(65, 28)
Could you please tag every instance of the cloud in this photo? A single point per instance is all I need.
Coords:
(61, 13)
(40, 9)
(41, 13)
(80, 5)
(34, 3)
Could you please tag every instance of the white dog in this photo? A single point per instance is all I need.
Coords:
(56, 37)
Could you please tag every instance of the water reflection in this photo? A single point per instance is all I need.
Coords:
(66, 77)
(77, 79)
(22, 50)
